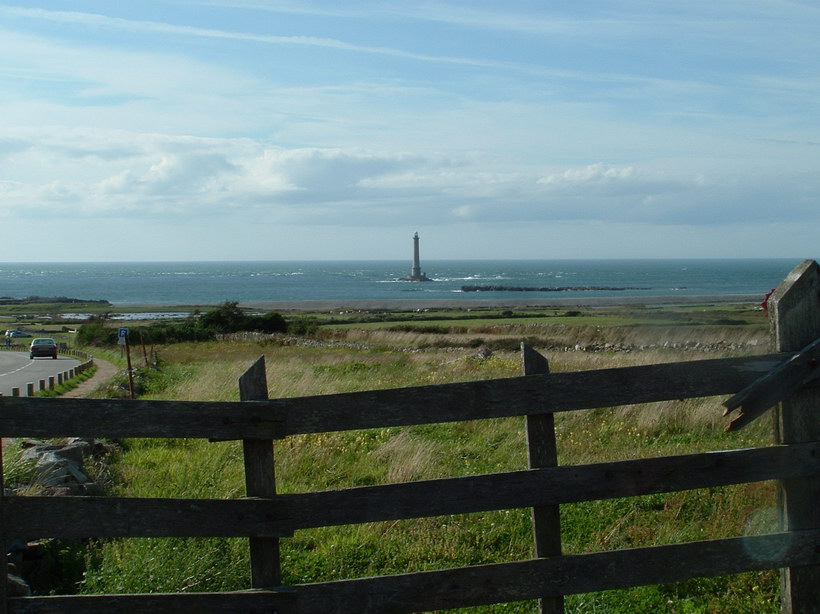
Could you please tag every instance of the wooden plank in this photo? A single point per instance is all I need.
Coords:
(564, 575)
(277, 418)
(777, 385)
(86, 517)
(80, 517)
(469, 586)
(260, 481)
(114, 418)
(518, 396)
(251, 602)
(551, 486)
(543, 452)
(795, 310)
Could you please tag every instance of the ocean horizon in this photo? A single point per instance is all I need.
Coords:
(200, 282)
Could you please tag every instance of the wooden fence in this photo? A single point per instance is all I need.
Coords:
(266, 517)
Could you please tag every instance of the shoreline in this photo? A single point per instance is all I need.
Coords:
(511, 303)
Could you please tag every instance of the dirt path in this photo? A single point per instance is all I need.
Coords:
(105, 371)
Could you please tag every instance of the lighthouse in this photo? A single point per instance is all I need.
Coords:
(415, 272)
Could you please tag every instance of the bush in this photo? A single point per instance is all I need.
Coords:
(96, 333)
(429, 329)
(173, 332)
(227, 318)
(303, 326)
(268, 323)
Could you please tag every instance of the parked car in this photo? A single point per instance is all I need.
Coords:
(17, 333)
(43, 346)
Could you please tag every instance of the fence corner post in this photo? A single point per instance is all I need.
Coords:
(795, 310)
(542, 452)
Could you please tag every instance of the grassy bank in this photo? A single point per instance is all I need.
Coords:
(385, 358)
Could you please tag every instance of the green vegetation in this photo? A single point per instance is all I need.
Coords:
(227, 318)
(721, 314)
(355, 357)
(69, 384)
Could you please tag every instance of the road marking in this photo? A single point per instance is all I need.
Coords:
(25, 366)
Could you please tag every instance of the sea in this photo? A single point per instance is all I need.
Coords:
(204, 283)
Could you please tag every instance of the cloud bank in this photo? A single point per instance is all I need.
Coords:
(117, 174)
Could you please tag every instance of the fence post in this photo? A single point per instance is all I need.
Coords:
(795, 310)
(542, 452)
(4, 575)
(260, 481)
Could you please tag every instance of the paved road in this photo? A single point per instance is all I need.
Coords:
(17, 370)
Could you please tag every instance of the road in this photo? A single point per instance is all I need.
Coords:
(17, 370)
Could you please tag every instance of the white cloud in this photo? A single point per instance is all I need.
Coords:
(593, 173)
(154, 27)
(118, 174)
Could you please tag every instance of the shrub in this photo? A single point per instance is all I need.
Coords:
(303, 326)
(174, 332)
(227, 318)
(267, 323)
(96, 333)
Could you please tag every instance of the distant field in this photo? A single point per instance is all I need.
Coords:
(49, 317)
(610, 317)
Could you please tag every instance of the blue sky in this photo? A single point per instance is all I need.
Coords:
(279, 130)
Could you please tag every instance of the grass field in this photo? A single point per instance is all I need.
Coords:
(364, 358)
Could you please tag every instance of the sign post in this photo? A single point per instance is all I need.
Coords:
(122, 339)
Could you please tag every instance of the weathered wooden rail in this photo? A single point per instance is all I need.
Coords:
(266, 517)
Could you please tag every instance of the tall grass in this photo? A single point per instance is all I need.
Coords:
(195, 468)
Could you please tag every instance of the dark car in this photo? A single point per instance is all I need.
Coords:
(43, 346)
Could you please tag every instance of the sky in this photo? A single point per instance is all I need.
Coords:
(148, 130)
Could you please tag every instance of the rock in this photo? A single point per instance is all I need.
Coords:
(57, 471)
(30, 443)
(14, 553)
(17, 587)
(73, 452)
(484, 353)
(57, 465)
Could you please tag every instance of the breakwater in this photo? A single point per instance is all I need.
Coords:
(494, 288)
